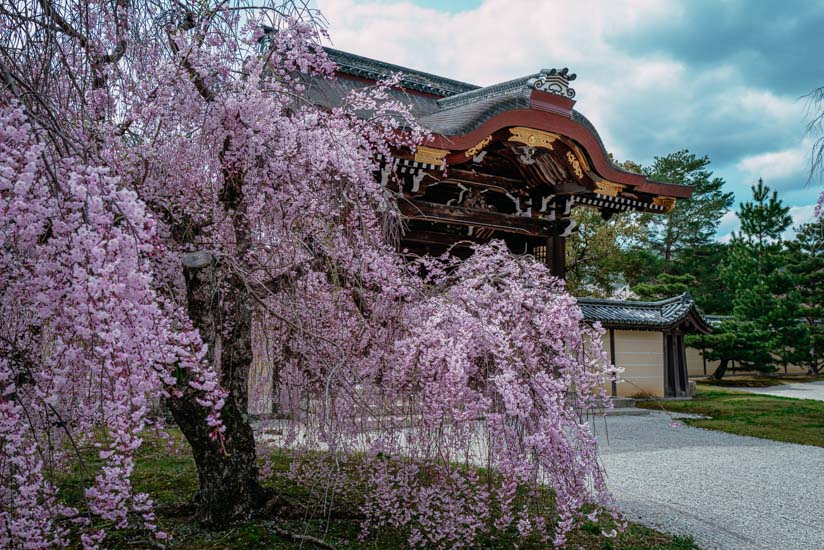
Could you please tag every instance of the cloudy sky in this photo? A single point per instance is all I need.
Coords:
(724, 78)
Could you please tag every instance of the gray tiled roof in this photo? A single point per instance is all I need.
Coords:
(331, 93)
(464, 118)
(452, 108)
(630, 314)
(516, 86)
(716, 320)
(420, 81)
(461, 108)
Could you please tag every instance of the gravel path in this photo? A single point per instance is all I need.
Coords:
(727, 491)
(800, 390)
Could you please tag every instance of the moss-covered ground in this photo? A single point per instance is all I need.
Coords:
(167, 473)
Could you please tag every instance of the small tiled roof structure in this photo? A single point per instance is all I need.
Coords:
(716, 320)
(677, 313)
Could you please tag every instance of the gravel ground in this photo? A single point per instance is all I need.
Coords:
(800, 390)
(727, 491)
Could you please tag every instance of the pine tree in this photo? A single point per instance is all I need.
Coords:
(734, 340)
(694, 221)
(702, 263)
(666, 286)
(764, 331)
(805, 262)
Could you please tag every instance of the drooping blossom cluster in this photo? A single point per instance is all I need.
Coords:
(85, 338)
(109, 178)
(484, 362)
(173, 130)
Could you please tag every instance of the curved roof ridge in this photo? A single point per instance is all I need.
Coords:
(366, 67)
(579, 117)
(453, 110)
(642, 303)
(493, 90)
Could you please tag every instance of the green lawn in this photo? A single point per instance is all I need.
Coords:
(757, 381)
(170, 478)
(741, 413)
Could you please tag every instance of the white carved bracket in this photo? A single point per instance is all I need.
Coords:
(525, 211)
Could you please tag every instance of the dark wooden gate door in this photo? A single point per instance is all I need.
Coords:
(675, 366)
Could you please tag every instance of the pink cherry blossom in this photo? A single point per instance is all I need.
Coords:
(136, 134)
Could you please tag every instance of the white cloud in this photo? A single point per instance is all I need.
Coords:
(505, 39)
(777, 164)
(800, 215)
(499, 40)
(729, 223)
(643, 104)
(770, 105)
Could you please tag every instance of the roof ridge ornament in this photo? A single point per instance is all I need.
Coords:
(554, 81)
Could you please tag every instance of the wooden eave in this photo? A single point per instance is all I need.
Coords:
(559, 122)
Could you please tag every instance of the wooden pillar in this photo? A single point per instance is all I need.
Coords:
(556, 254)
(612, 360)
(556, 245)
(704, 358)
(683, 377)
(548, 253)
(676, 383)
(668, 370)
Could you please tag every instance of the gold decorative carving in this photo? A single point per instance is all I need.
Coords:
(667, 202)
(576, 166)
(533, 138)
(430, 155)
(472, 151)
(581, 157)
(608, 188)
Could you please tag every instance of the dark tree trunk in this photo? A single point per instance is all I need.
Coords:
(720, 370)
(227, 469)
(227, 472)
(219, 307)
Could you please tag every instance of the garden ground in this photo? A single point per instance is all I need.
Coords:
(726, 491)
(808, 390)
(167, 473)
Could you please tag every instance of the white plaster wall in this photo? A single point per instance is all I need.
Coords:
(695, 365)
(260, 383)
(641, 354)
